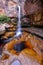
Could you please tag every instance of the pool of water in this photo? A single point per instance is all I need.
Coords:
(16, 63)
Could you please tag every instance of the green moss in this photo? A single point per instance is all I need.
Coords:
(4, 19)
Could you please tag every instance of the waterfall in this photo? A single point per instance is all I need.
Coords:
(18, 32)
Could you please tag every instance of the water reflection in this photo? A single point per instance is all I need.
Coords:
(16, 63)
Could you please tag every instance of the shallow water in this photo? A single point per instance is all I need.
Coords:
(16, 63)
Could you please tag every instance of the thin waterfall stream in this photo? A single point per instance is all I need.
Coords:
(18, 32)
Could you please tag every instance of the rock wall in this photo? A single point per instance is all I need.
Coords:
(28, 6)
(33, 8)
(8, 7)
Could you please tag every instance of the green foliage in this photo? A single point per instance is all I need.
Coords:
(4, 19)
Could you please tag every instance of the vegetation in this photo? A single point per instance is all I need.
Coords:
(4, 19)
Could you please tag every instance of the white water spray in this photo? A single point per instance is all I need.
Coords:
(18, 32)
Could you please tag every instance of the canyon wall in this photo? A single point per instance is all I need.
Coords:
(33, 8)
(8, 7)
(28, 6)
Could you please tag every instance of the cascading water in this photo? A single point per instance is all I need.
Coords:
(18, 32)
